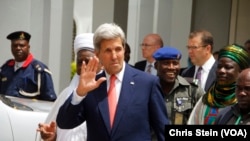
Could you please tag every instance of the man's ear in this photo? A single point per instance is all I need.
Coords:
(209, 47)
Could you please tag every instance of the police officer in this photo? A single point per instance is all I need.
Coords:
(180, 95)
(24, 76)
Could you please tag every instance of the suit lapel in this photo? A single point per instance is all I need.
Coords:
(189, 72)
(102, 99)
(125, 98)
(211, 77)
(144, 65)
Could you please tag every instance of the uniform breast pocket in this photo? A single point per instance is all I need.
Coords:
(182, 104)
(26, 84)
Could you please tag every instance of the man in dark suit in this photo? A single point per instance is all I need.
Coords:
(150, 44)
(200, 50)
(138, 105)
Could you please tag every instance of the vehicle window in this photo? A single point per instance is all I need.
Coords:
(14, 105)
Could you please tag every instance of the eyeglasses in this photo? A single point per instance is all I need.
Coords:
(195, 47)
(145, 45)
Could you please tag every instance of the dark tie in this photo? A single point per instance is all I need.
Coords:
(149, 68)
(198, 75)
(112, 100)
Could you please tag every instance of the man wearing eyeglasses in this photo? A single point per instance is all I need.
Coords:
(150, 44)
(200, 51)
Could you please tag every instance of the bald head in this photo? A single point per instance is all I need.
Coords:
(244, 75)
(155, 38)
(243, 90)
(151, 42)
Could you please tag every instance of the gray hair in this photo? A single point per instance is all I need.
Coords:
(108, 31)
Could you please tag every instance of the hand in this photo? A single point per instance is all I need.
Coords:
(87, 80)
(47, 131)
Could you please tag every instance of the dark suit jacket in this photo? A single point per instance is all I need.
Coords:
(140, 103)
(141, 65)
(189, 72)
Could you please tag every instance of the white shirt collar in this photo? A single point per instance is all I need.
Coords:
(207, 66)
(18, 65)
(153, 63)
(119, 75)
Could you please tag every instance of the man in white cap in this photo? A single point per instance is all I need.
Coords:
(83, 49)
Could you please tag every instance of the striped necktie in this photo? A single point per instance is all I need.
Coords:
(149, 68)
(198, 75)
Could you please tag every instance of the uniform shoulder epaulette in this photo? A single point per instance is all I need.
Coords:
(40, 67)
(48, 71)
(194, 84)
(192, 81)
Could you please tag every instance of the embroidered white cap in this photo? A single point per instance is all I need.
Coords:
(84, 41)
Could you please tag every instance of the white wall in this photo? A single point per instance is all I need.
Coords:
(102, 12)
(240, 21)
(11, 20)
(217, 20)
(57, 33)
(83, 15)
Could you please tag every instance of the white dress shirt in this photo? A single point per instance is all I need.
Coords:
(205, 71)
(153, 70)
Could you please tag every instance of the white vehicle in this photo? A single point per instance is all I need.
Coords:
(19, 118)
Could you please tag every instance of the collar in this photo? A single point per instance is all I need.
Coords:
(153, 63)
(25, 63)
(236, 110)
(182, 81)
(207, 65)
(119, 75)
(179, 81)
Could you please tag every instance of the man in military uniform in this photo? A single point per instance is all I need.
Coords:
(180, 95)
(24, 76)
